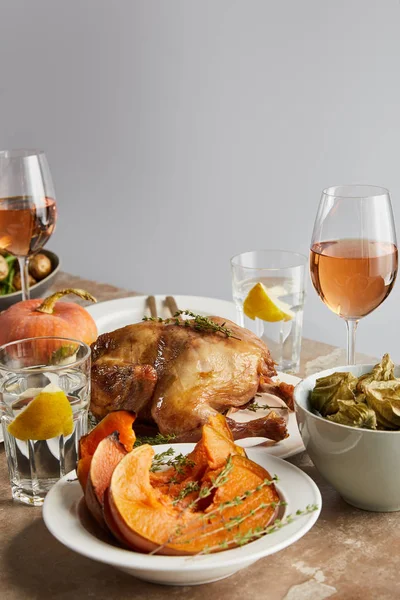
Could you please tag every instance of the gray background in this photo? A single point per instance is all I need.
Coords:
(182, 132)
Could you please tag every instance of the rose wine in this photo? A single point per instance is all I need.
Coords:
(26, 223)
(353, 276)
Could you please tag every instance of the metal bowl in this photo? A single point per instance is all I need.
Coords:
(38, 290)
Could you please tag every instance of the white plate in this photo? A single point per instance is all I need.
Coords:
(64, 516)
(114, 314)
(289, 447)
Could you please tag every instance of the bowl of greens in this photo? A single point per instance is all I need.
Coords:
(43, 268)
(349, 419)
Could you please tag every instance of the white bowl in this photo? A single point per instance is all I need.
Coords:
(66, 517)
(361, 464)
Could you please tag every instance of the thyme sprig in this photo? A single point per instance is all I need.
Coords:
(198, 322)
(154, 441)
(254, 407)
(204, 492)
(197, 528)
(239, 519)
(191, 486)
(237, 500)
(179, 462)
(159, 460)
(220, 480)
(202, 525)
(257, 532)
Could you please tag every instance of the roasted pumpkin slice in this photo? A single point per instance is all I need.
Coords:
(210, 452)
(107, 455)
(147, 518)
(119, 421)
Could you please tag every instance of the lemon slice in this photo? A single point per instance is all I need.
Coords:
(48, 415)
(263, 305)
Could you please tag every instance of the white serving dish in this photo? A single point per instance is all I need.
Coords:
(66, 517)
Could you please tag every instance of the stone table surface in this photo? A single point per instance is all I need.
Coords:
(349, 553)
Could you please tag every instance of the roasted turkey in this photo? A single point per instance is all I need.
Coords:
(174, 377)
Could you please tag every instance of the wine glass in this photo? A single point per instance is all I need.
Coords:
(27, 206)
(353, 257)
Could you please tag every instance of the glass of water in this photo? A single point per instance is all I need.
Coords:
(44, 398)
(268, 290)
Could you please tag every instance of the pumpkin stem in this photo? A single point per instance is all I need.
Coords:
(49, 303)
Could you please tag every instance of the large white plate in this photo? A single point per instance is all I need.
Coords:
(288, 447)
(65, 516)
(114, 314)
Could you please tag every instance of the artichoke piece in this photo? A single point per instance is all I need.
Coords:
(328, 390)
(383, 371)
(384, 398)
(355, 415)
(360, 398)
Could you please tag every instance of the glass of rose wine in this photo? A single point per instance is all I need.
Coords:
(353, 257)
(27, 206)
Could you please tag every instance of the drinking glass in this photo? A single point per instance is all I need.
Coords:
(27, 207)
(27, 368)
(353, 257)
(281, 275)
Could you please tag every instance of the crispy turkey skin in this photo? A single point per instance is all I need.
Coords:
(174, 377)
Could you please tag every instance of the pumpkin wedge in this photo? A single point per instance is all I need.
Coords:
(146, 518)
(119, 421)
(108, 454)
(211, 451)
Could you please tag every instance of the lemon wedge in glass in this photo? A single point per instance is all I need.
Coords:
(262, 304)
(48, 415)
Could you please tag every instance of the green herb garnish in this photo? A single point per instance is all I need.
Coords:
(159, 460)
(198, 322)
(192, 486)
(154, 441)
(254, 407)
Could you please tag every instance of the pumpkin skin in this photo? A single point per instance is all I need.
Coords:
(106, 457)
(69, 320)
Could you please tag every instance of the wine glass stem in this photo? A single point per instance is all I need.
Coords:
(351, 341)
(23, 269)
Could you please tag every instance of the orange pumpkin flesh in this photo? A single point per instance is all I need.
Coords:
(118, 421)
(68, 320)
(211, 452)
(139, 506)
(147, 519)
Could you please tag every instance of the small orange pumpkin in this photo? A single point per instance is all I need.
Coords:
(41, 318)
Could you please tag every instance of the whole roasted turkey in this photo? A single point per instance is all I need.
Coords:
(174, 377)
